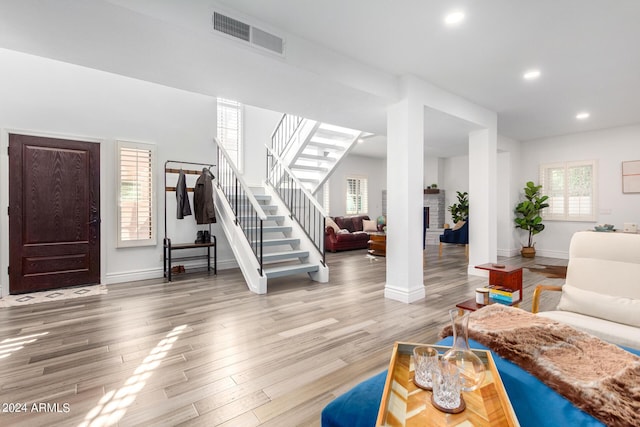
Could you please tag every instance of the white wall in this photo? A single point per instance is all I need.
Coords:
(259, 124)
(433, 171)
(374, 169)
(503, 200)
(610, 147)
(456, 178)
(509, 185)
(45, 96)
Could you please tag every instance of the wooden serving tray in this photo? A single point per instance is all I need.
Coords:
(405, 404)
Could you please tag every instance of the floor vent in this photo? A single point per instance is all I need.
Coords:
(247, 33)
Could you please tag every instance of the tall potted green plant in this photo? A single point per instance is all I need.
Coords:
(528, 216)
(460, 211)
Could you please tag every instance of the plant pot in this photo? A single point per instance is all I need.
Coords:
(528, 252)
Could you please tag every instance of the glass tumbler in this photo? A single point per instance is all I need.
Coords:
(425, 360)
(447, 387)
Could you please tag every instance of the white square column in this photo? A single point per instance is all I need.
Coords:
(483, 223)
(405, 167)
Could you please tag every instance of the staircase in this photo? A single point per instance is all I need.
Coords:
(265, 237)
(282, 254)
(277, 230)
(311, 149)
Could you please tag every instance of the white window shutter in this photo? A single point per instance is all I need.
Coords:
(136, 201)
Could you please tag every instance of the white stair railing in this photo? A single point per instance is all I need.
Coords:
(303, 207)
(285, 130)
(249, 215)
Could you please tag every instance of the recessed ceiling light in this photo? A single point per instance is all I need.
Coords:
(531, 75)
(454, 18)
(582, 116)
(360, 140)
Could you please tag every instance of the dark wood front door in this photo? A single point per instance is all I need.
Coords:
(54, 213)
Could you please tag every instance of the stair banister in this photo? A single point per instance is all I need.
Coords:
(234, 187)
(304, 190)
(284, 131)
(318, 212)
(252, 199)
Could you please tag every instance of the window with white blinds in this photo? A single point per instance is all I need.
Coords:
(572, 190)
(357, 196)
(230, 122)
(136, 201)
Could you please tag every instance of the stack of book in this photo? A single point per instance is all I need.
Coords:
(503, 295)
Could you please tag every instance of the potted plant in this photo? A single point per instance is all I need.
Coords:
(460, 211)
(528, 216)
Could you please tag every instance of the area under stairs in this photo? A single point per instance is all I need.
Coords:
(315, 149)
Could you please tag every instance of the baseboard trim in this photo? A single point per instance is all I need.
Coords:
(132, 276)
(508, 252)
(403, 295)
(552, 254)
(156, 273)
(540, 252)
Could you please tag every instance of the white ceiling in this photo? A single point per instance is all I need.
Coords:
(445, 136)
(586, 50)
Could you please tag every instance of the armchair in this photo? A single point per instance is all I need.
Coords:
(458, 235)
(601, 293)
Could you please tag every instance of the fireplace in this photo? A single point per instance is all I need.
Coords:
(434, 209)
(433, 217)
(425, 217)
(425, 225)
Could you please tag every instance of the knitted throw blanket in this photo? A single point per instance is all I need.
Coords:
(597, 377)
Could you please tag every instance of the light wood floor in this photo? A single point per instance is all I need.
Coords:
(205, 351)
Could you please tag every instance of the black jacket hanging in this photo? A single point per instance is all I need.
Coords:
(203, 198)
(182, 198)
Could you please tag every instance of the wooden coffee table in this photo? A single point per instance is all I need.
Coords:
(378, 244)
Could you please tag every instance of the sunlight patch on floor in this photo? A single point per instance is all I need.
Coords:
(113, 405)
(11, 345)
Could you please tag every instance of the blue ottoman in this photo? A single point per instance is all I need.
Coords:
(358, 407)
(535, 404)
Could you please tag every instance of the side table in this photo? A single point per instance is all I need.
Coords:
(507, 276)
(378, 244)
(472, 305)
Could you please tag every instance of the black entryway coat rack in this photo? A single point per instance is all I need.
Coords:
(168, 246)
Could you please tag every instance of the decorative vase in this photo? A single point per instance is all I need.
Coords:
(471, 368)
(528, 252)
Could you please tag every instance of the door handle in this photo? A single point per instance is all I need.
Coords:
(94, 221)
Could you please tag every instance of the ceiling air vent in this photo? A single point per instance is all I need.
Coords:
(266, 40)
(231, 26)
(247, 33)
